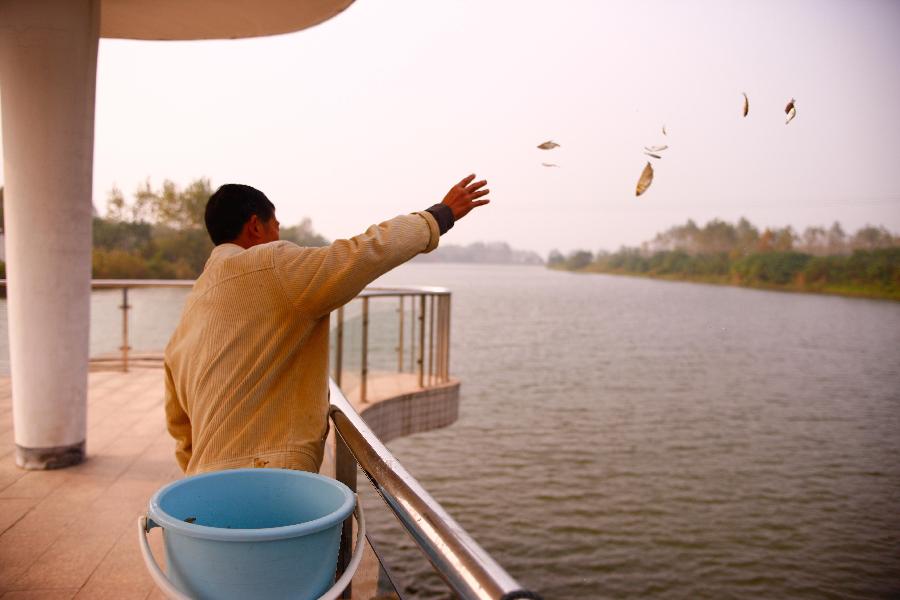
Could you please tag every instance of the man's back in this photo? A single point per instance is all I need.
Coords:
(253, 369)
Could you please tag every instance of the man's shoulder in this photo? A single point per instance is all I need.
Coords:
(230, 261)
(231, 258)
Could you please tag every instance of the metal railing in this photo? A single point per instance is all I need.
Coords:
(466, 567)
(125, 285)
(426, 322)
(428, 346)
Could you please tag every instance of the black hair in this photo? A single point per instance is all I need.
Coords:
(230, 207)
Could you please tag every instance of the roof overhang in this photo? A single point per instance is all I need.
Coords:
(211, 19)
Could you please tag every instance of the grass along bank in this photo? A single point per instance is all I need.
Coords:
(820, 261)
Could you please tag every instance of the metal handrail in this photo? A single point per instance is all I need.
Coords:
(437, 347)
(466, 567)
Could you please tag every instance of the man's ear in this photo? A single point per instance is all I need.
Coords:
(254, 227)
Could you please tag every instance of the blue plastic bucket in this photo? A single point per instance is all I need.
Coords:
(251, 533)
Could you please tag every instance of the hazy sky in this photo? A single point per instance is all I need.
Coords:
(378, 111)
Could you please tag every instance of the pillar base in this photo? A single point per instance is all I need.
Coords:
(42, 459)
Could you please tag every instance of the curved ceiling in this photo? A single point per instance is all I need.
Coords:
(211, 19)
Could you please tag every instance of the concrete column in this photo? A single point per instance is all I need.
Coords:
(48, 65)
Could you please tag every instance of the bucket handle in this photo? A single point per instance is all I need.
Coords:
(156, 573)
(172, 592)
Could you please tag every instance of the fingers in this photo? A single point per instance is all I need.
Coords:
(476, 185)
(480, 194)
(466, 180)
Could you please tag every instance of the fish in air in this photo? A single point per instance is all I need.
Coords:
(746, 104)
(664, 130)
(645, 180)
(790, 110)
(655, 149)
(549, 145)
(549, 165)
(652, 155)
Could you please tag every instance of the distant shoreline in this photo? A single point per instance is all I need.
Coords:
(869, 293)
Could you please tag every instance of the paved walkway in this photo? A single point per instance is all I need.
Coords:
(71, 533)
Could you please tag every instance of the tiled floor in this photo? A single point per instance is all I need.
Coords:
(71, 533)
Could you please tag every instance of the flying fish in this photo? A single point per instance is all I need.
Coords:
(790, 110)
(549, 164)
(645, 180)
(549, 145)
(746, 104)
(652, 155)
(655, 148)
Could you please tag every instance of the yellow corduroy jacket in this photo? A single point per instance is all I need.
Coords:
(247, 366)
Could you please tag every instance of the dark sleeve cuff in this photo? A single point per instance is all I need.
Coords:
(443, 215)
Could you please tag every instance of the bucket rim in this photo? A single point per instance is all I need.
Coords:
(168, 522)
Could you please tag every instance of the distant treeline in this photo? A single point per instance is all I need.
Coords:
(866, 263)
(483, 253)
(160, 234)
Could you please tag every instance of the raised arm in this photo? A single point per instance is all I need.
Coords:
(318, 280)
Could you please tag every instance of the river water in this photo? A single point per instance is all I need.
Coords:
(629, 438)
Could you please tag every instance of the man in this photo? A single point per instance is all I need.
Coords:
(247, 366)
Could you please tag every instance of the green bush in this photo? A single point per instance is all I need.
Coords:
(778, 268)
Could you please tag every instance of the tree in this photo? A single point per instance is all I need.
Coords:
(718, 236)
(837, 239)
(162, 234)
(579, 259)
(814, 241)
(303, 234)
(784, 239)
(170, 206)
(116, 207)
(746, 237)
(872, 238)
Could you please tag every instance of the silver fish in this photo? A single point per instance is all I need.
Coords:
(655, 148)
(549, 164)
(652, 155)
(549, 145)
(746, 104)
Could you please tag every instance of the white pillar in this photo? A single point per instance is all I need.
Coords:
(48, 65)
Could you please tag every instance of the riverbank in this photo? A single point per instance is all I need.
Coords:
(862, 274)
(873, 292)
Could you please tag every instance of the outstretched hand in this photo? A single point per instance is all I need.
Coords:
(463, 196)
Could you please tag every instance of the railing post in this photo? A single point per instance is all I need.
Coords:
(412, 333)
(442, 333)
(339, 349)
(364, 370)
(431, 340)
(421, 360)
(345, 472)
(125, 347)
(447, 330)
(400, 339)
